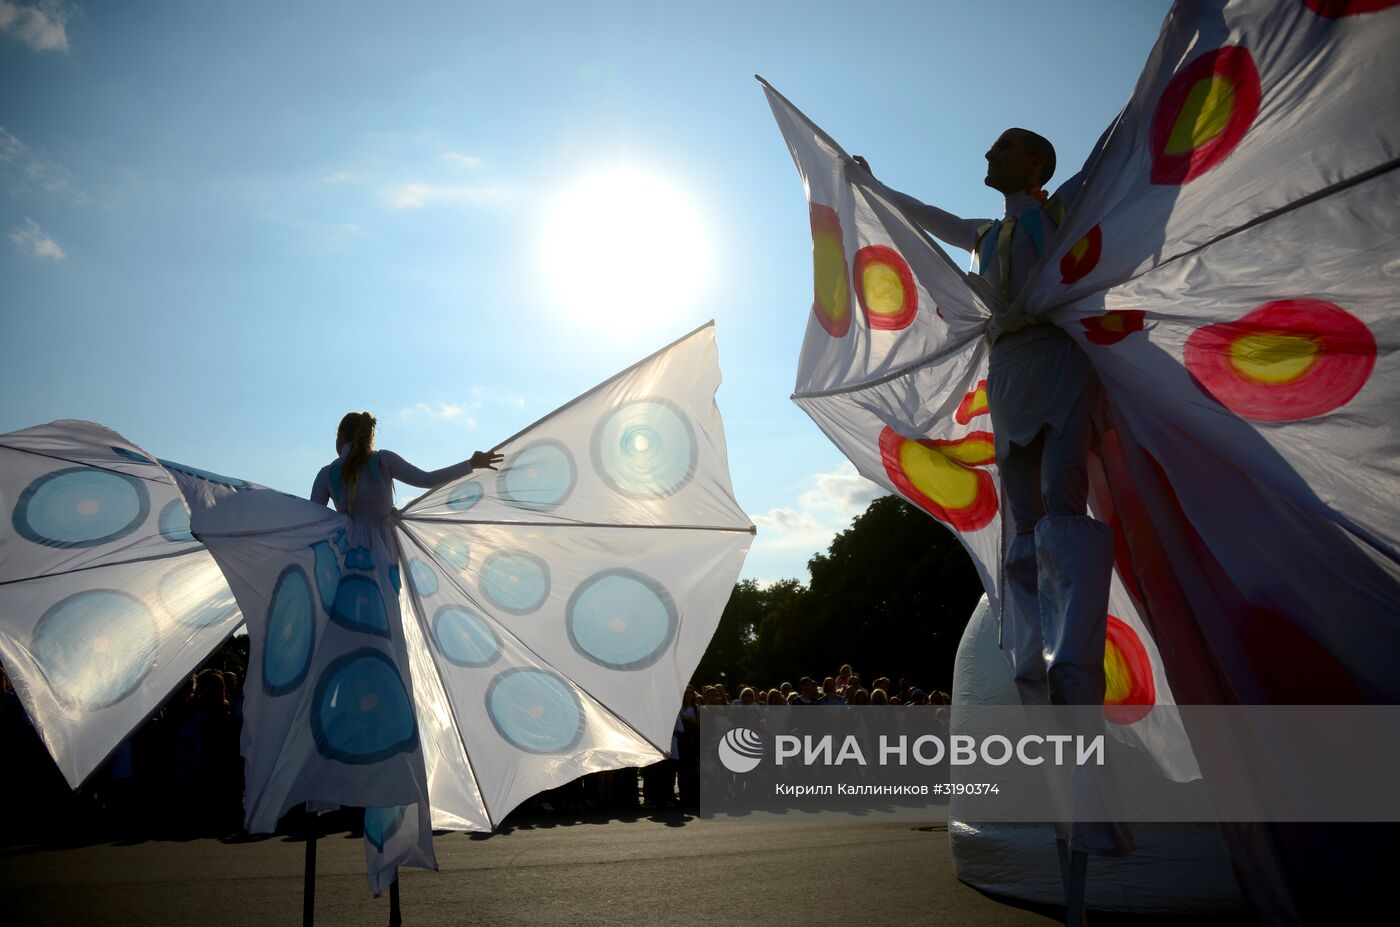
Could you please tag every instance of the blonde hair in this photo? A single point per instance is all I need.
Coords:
(357, 430)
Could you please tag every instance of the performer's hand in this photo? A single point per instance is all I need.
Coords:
(486, 460)
(865, 165)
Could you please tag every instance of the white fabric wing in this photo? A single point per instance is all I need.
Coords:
(566, 599)
(107, 603)
(900, 387)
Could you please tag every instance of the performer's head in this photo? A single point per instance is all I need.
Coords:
(357, 430)
(1019, 161)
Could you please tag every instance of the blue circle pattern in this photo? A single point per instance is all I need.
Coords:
(539, 476)
(196, 595)
(359, 605)
(454, 552)
(229, 481)
(465, 639)
(425, 581)
(327, 573)
(360, 711)
(358, 558)
(80, 507)
(131, 455)
(515, 581)
(621, 619)
(645, 449)
(291, 628)
(535, 710)
(381, 824)
(174, 522)
(465, 496)
(95, 647)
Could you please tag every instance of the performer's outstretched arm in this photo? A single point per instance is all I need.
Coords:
(941, 224)
(405, 472)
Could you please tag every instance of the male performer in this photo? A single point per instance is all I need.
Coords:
(1039, 390)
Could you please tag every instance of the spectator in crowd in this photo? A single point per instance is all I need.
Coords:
(879, 697)
(689, 763)
(843, 676)
(829, 696)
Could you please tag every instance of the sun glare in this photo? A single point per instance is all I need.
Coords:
(624, 249)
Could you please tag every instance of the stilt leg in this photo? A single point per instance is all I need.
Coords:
(308, 890)
(395, 920)
(1074, 897)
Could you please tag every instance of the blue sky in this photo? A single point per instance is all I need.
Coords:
(223, 226)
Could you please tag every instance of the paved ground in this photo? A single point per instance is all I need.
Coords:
(663, 869)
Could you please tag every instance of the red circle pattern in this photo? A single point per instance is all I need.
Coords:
(1072, 270)
(1142, 694)
(1233, 63)
(909, 306)
(968, 518)
(1346, 355)
(826, 222)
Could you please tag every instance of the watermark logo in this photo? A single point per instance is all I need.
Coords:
(740, 750)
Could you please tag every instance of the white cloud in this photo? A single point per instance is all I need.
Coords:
(418, 195)
(843, 492)
(42, 27)
(463, 412)
(32, 240)
(441, 411)
(461, 159)
(22, 170)
(826, 507)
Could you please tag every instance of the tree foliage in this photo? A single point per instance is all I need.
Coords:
(891, 596)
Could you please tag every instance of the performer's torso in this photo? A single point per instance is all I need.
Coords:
(1037, 373)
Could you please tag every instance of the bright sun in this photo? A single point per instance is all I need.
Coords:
(624, 249)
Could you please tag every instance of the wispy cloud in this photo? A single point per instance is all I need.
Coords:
(32, 240)
(414, 171)
(441, 411)
(418, 195)
(461, 159)
(42, 27)
(465, 411)
(825, 507)
(23, 170)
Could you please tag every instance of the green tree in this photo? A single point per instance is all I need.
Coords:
(891, 596)
(727, 657)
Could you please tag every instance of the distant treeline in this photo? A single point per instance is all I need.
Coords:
(891, 597)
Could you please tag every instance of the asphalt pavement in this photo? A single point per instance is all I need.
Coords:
(647, 869)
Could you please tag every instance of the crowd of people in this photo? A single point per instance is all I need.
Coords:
(845, 688)
(181, 771)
